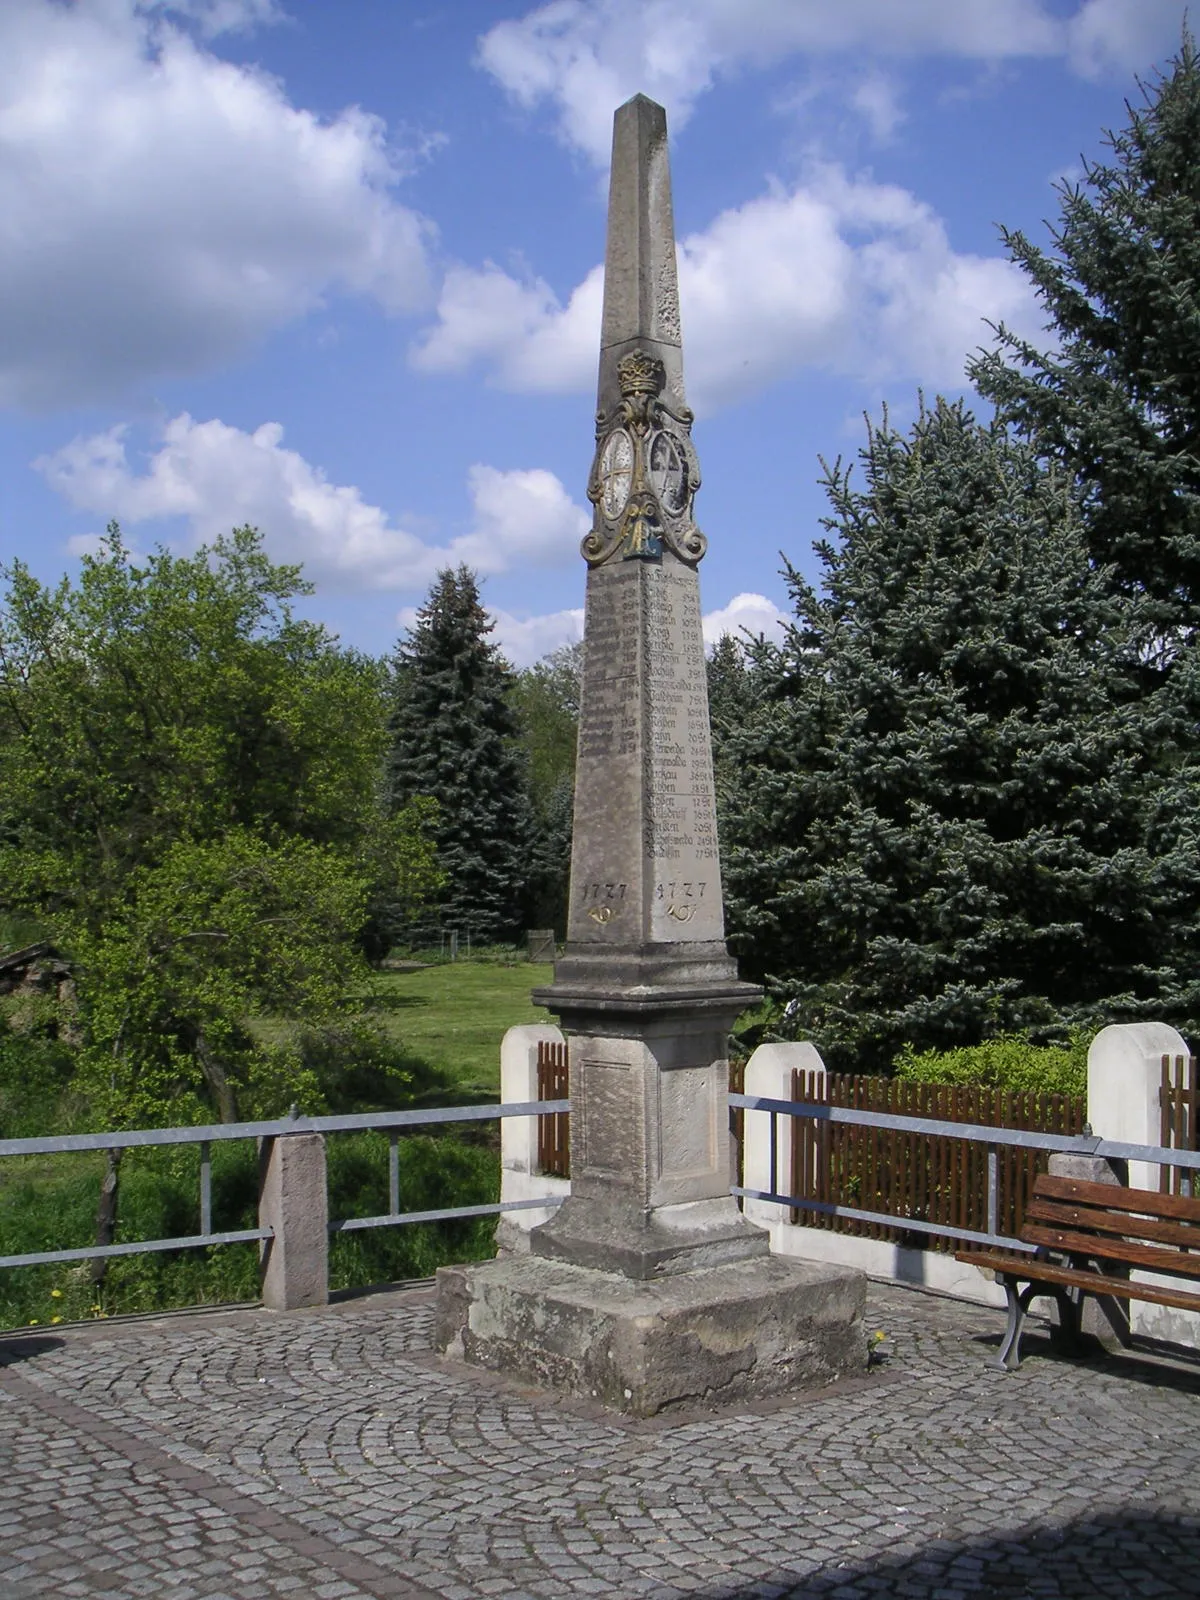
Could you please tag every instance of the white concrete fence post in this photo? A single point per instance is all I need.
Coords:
(292, 1200)
(769, 1073)
(1124, 1077)
(1124, 1080)
(520, 1177)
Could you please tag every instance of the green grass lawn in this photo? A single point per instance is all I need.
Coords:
(450, 1018)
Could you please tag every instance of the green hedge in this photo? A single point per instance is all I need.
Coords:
(1006, 1062)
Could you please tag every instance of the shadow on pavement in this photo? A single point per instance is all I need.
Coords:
(24, 1347)
(1146, 1361)
(1140, 1555)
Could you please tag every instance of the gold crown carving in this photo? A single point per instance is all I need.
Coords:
(640, 373)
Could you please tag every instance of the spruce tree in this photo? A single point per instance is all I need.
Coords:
(547, 702)
(1117, 400)
(454, 740)
(940, 831)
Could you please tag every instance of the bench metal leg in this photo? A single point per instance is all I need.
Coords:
(1065, 1336)
(1009, 1357)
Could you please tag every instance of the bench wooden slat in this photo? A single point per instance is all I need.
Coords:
(1121, 1223)
(1080, 1243)
(1099, 1223)
(1143, 1202)
(1029, 1269)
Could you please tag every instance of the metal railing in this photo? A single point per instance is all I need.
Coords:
(992, 1138)
(390, 1122)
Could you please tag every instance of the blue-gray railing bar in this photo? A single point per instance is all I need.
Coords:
(40, 1258)
(540, 1203)
(1080, 1144)
(379, 1121)
(133, 1138)
(888, 1219)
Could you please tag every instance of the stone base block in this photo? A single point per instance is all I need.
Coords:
(732, 1333)
(616, 1235)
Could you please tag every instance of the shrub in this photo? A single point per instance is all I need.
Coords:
(1006, 1062)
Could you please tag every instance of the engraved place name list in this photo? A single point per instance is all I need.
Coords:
(646, 862)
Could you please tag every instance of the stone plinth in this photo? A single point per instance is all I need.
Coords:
(649, 1138)
(732, 1333)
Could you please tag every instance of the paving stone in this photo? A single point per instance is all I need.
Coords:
(328, 1454)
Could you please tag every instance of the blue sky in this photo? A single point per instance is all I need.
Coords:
(331, 267)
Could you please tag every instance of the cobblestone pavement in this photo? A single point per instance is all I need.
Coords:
(328, 1454)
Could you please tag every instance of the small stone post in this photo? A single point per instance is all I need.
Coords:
(292, 1200)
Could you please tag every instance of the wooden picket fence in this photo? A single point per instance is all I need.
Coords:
(1179, 1109)
(554, 1148)
(933, 1178)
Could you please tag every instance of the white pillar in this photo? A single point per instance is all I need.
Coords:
(1124, 1079)
(769, 1073)
(520, 1178)
(1124, 1076)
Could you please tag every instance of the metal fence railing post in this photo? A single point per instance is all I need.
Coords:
(394, 1175)
(205, 1187)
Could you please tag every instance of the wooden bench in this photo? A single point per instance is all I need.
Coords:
(1088, 1236)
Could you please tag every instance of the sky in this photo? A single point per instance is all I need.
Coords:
(333, 267)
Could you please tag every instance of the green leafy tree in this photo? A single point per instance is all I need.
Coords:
(949, 823)
(160, 723)
(546, 697)
(1116, 399)
(455, 741)
(203, 943)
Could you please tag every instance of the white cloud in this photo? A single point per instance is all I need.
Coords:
(587, 56)
(1124, 35)
(876, 99)
(219, 477)
(526, 640)
(161, 209)
(752, 612)
(837, 274)
(521, 517)
(213, 17)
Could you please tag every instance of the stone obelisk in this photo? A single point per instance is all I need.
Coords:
(646, 988)
(648, 1287)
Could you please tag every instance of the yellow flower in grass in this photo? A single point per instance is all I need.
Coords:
(56, 1294)
(53, 1320)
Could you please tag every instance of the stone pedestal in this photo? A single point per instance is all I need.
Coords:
(649, 1133)
(740, 1332)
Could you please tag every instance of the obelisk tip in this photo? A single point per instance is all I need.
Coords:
(640, 99)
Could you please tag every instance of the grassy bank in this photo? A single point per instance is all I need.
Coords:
(451, 1018)
(446, 1021)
